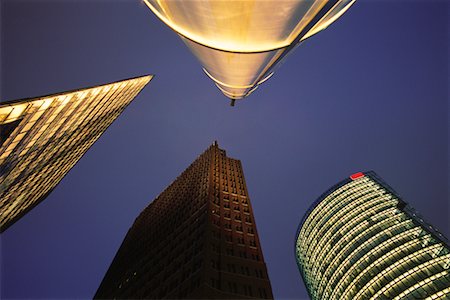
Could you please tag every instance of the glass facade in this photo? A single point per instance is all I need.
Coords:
(362, 241)
(196, 240)
(240, 42)
(42, 139)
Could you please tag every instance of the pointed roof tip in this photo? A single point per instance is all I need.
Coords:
(215, 143)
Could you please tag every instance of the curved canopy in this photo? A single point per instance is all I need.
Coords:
(239, 42)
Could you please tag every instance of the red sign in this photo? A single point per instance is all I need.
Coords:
(357, 175)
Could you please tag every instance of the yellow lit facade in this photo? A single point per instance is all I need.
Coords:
(42, 138)
(240, 42)
(361, 241)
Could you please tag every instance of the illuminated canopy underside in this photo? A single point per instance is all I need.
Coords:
(240, 42)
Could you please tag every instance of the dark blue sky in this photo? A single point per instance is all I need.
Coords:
(368, 93)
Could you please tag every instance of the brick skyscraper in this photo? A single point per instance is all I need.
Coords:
(197, 239)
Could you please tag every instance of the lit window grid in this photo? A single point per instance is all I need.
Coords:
(408, 275)
(324, 206)
(350, 220)
(51, 114)
(347, 298)
(28, 106)
(320, 230)
(396, 254)
(58, 164)
(61, 170)
(363, 195)
(301, 256)
(353, 228)
(399, 247)
(422, 283)
(349, 236)
(47, 138)
(326, 202)
(343, 259)
(444, 294)
(66, 123)
(57, 171)
(343, 198)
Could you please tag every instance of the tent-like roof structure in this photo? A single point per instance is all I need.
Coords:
(240, 42)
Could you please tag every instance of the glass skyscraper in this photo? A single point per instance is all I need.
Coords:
(240, 42)
(42, 138)
(196, 240)
(360, 240)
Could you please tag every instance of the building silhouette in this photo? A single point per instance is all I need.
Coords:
(360, 240)
(239, 43)
(196, 240)
(42, 138)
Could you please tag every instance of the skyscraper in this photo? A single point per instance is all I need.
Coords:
(197, 239)
(42, 138)
(360, 240)
(239, 43)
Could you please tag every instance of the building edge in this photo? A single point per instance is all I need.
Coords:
(404, 206)
(27, 210)
(27, 99)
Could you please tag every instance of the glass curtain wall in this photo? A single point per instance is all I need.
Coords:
(362, 241)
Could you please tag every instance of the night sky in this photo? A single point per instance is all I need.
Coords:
(368, 93)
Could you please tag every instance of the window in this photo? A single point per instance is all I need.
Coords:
(230, 252)
(262, 293)
(247, 290)
(255, 257)
(231, 268)
(232, 287)
(215, 283)
(216, 234)
(214, 264)
(259, 273)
